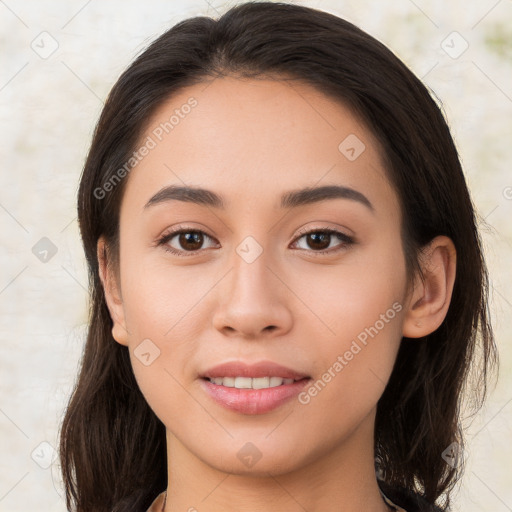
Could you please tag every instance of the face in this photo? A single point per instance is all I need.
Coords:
(313, 282)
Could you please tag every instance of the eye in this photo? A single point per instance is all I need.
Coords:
(320, 240)
(188, 241)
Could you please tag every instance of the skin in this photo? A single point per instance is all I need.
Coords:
(250, 140)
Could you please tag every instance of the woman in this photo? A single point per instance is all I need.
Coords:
(287, 280)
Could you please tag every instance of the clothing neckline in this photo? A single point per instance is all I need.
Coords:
(162, 498)
(391, 504)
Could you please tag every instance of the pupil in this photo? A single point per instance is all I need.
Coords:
(322, 237)
(193, 238)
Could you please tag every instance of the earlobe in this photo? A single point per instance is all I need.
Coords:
(431, 296)
(112, 294)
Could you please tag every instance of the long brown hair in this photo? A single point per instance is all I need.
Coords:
(112, 445)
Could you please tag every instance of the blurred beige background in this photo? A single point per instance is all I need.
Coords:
(58, 62)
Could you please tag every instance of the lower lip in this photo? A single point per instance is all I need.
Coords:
(253, 401)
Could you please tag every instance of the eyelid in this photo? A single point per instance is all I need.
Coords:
(180, 228)
(313, 229)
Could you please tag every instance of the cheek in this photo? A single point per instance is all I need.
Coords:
(161, 299)
(352, 369)
(347, 309)
(160, 305)
(345, 298)
(162, 346)
(359, 314)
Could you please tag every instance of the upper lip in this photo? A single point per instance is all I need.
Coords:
(259, 369)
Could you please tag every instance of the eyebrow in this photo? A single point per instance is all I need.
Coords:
(290, 199)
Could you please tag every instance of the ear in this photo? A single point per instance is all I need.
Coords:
(112, 294)
(430, 298)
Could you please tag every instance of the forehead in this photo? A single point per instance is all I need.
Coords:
(250, 139)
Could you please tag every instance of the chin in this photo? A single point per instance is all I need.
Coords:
(272, 464)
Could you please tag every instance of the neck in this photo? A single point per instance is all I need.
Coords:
(338, 479)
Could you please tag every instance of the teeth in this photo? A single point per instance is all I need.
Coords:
(243, 382)
(251, 383)
(260, 383)
(230, 382)
(275, 381)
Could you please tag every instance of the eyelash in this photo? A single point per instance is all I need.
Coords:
(346, 240)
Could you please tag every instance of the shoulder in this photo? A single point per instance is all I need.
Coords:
(406, 501)
(158, 503)
(395, 506)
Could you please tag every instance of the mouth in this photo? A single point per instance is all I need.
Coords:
(252, 389)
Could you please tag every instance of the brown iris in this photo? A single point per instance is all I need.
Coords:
(194, 238)
(319, 240)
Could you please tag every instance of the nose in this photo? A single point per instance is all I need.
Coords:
(253, 301)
